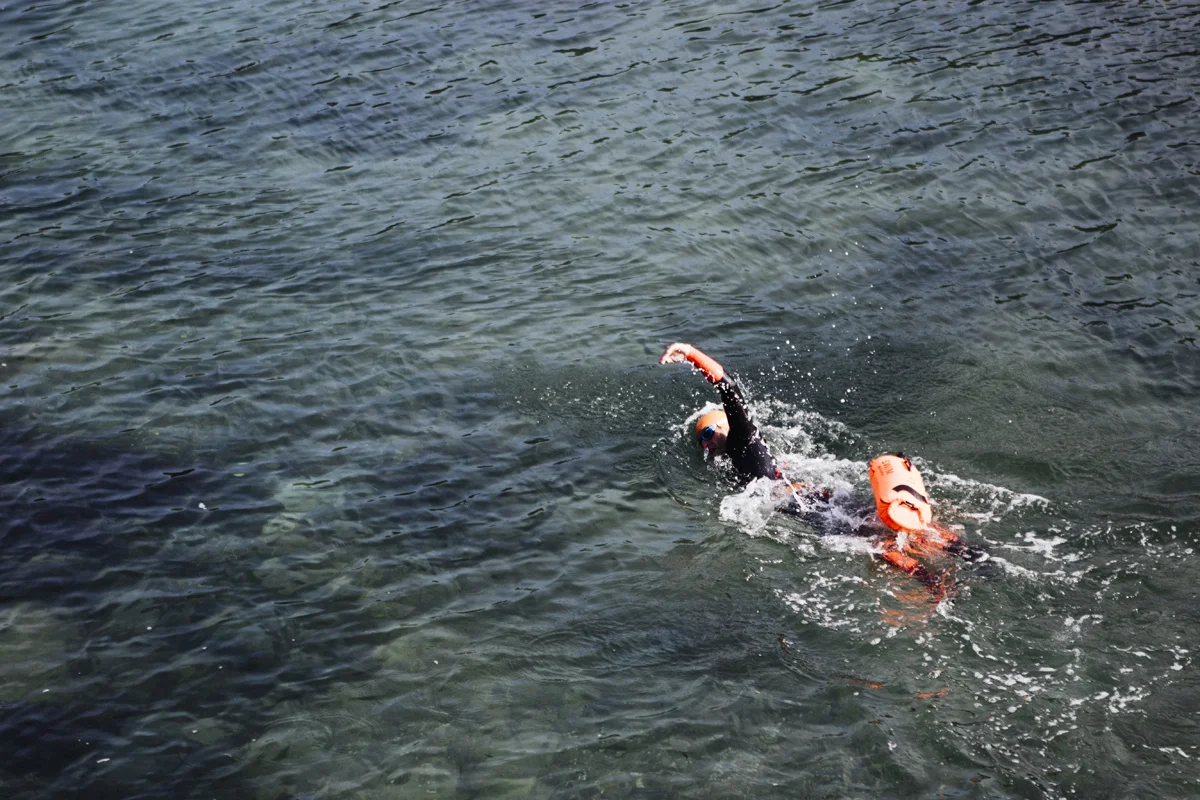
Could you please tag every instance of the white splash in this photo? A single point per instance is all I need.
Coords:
(752, 508)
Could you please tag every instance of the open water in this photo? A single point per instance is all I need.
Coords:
(337, 463)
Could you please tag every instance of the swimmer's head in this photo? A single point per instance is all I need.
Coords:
(711, 430)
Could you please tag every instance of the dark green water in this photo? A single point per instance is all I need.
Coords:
(337, 462)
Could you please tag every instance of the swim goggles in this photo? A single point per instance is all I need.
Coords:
(707, 433)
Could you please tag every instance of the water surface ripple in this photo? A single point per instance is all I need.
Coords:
(337, 463)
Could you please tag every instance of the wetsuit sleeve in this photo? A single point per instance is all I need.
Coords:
(744, 445)
(737, 409)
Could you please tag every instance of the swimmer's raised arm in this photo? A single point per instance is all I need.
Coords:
(731, 393)
(679, 352)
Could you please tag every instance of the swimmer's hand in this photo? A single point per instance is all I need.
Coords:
(679, 352)
(675, 353)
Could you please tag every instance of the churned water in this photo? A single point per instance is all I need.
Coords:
(338, 464)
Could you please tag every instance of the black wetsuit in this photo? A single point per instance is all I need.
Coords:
(747, 451)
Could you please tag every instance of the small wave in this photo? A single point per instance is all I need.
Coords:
(984, 502)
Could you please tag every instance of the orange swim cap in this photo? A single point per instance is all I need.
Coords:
(713, 419)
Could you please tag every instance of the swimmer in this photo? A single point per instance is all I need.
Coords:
(900, 496)
(731, 431)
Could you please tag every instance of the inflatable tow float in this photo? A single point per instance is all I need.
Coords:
(902, 503)
(900, 498)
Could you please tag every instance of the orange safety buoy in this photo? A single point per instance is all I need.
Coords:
(900, 497)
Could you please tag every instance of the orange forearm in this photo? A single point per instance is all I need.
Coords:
(706, 364)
